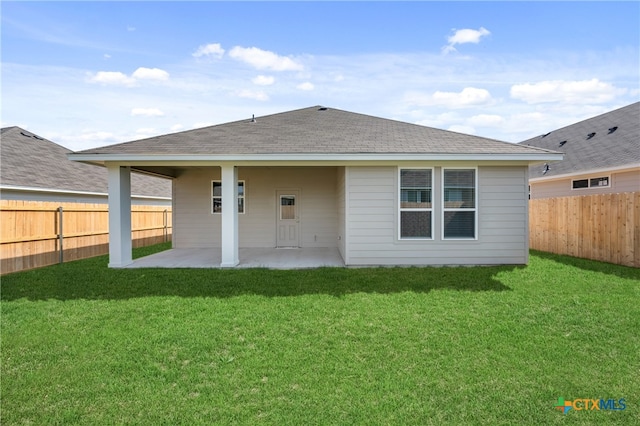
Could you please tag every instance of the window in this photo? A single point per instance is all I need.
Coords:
(459, 216)
(581, 183)
(216, 195)
(598, 182)
(416, 208)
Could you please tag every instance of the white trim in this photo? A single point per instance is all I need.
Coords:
(448, 209)
(244, 196)
(619, 169)
(72, 192)
(129, 158)
(401, 209)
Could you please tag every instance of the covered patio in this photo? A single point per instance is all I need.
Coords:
(272, 258)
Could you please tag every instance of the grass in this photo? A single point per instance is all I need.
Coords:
(84, 344)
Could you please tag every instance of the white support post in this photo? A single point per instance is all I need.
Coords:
(229, 175)
(119, 216)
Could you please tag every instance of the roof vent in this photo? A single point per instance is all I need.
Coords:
(590, 135)
(24, 134)
(253, 118)
(38, 137)
(545, 168)
(322, 109)
(562, 143)
(612, 129)
(545, 135)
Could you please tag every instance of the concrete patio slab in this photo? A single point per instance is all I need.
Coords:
(273, 258)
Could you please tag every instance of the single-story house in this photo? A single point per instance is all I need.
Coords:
(33, 168)
(601, 155)
(379, 191)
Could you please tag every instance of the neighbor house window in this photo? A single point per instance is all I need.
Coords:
(416, 205)
(216, 195)
(459, 202)
(598, 182)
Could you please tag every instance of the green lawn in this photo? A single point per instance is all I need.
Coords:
(84, 344)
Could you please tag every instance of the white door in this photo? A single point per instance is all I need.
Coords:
(288, 222)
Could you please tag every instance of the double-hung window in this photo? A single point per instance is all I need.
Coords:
(459, 201)
(416, 205)
(216, 196)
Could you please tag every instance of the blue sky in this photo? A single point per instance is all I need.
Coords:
(85, 74)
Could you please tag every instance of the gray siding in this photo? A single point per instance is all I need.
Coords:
(628, 181)
(372, 216)
(195, 226)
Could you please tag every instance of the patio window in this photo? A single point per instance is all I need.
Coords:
(415, 204)
(216, 196)
(459, 204)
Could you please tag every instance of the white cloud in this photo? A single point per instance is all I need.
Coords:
(97, 136)
(465, 36)
(117, 78)
(264, 59)
(570, 92)
(143, 73)
(146, 112)
(106, 56)
(307, 86)
(112, 78)
(213, 49)
(258, 95)
(130, 28)
(263, 80)
(469, 96)
(486, 120)
(176, 127)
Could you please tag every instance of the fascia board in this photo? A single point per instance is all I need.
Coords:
(303, 158)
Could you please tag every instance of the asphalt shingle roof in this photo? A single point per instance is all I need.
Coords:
(603, 150)
(314, 130)
(29, 160)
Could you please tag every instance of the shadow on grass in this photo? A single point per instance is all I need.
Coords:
(591, 265)
(90, 279)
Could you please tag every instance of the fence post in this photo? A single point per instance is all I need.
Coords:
(60, 235)
(164, 225)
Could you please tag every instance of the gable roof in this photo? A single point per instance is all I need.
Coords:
(610, 140)
(29, 161)
(314, 130)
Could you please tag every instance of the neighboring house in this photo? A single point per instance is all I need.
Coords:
(35, 169)
(602, 155)
(382, 192)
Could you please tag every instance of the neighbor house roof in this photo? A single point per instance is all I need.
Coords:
(310, 131)
(610, 140)
(30, 162)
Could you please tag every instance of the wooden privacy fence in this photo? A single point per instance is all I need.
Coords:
(35, 233)
(603, 227)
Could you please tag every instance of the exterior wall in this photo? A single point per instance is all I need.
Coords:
(628, 181)
(195, 226)
(372, 221)
(62, 197)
